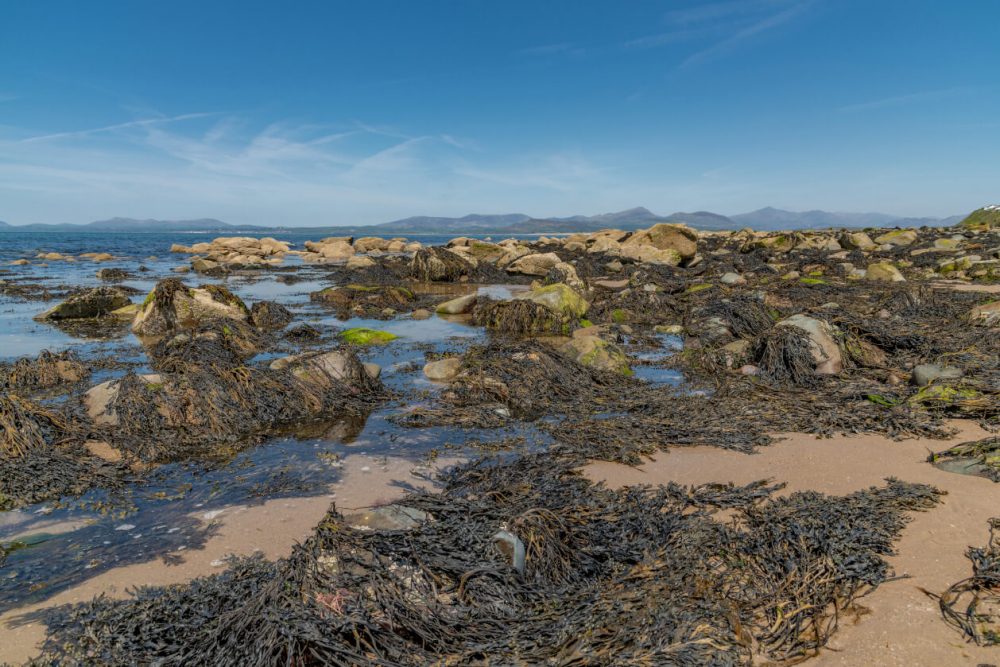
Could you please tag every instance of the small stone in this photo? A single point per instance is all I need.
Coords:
(443, 370)
(925, 374)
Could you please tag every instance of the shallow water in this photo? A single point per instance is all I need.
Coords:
(175, 508)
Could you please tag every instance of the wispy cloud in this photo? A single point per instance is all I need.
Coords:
(910, 98)
(737, 39)
(233, 168)
(145, 122)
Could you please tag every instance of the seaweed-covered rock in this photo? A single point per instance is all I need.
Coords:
(825, 350)
(564, 272)
(270, 315)
(92, 303)
(366, 300)
(172, 305)
(438, 264)
(324, 368)
(595, 352)
(559, 298)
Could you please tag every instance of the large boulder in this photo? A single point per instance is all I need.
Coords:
(99, 400)
(595, 352)
(897, 237)
(96, 302)
(537, 264)
(665, 236)
(172, 305)
(438, 264)
(825, 351)
(884, 272)
(559, 298)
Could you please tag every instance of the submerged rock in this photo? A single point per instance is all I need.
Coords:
(96, 302)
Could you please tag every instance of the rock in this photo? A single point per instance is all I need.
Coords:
(19, 262)
(112, 275)
(612, 284)
(270, 315)
(924, 374)
(825, 350)
(559, 298)
(99, 256)
(670, 329)
(898, 237)
(595, 352)
(370, 243)
(537, 264)
(99, 399)
(92, 303)
(732, 279)
(512, 549)
(884, 272)
(458, 306)
(356, 262)
(665, 236)
(564, 272)
(986, 315)
(443, 370)
(127, 313)
(649, 254)
(437, 264)
(363, 336)
(372, 370)
(420, 314)
(324, 368)
(202, 265)
(337, 250)
(172, 306)
(735, 352)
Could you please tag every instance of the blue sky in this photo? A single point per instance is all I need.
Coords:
(307, 113)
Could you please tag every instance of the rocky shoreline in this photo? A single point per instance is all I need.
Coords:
(515, 554)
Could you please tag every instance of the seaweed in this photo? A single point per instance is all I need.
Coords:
(632, 576)
(972, 605)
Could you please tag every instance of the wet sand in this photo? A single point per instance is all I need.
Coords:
(271, 528)
(904, 626)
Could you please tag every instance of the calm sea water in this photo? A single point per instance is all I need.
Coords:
(15, 245)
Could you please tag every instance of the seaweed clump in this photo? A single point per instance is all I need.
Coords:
(972, 605)
(518, 317)
(495, 570)
(49, 369)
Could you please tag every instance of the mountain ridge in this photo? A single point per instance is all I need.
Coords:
(764, 219)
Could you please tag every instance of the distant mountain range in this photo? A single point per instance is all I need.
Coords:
(765, 219)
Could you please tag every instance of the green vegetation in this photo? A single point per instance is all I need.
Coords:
(983, 219)
(363, 336)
